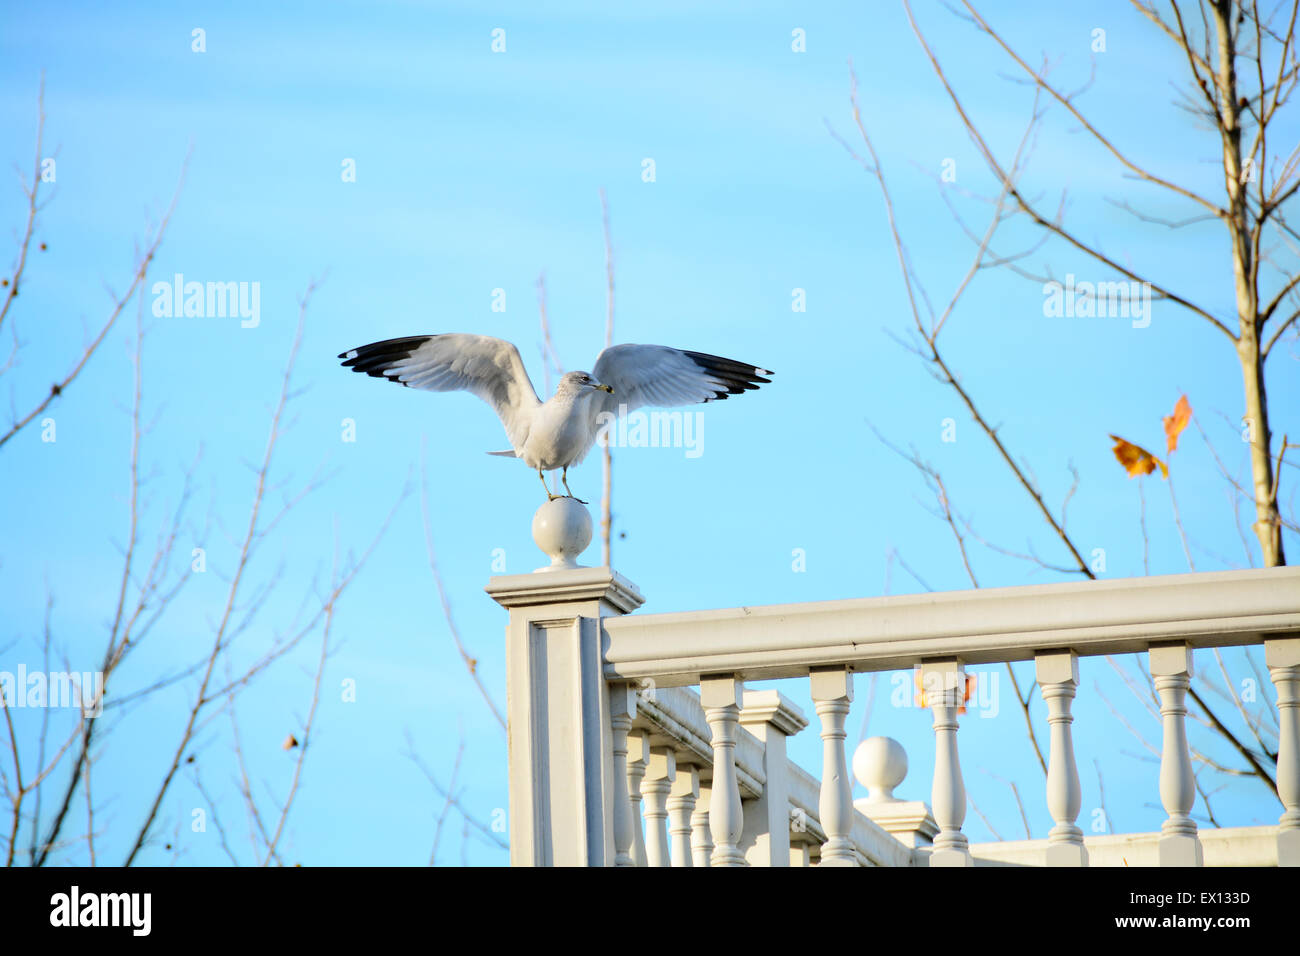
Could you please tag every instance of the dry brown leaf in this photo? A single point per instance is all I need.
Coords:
(1136, 459)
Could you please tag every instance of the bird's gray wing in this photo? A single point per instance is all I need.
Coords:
(489, 367)
(659, 375)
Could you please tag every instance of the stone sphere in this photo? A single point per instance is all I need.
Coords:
(562, 529)
(880, 764)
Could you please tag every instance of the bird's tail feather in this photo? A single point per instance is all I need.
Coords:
(504, 454)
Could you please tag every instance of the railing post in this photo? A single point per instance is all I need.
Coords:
(622, 707)
(943, 685)
(638, 759)
(721, 697)
(659, 777)
(832, 693)
(1171, 666)
(799, 855)
(1058, 678)
(681, 804)
(1282, 656)
(701, 838)
(561, 731)
(772, 718)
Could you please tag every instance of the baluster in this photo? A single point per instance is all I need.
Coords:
(1058, 678)
(622, 706)
(1283, 659)
(1171, 665)
(638, 756)
(659, 777)
(681, 803)
(701, 838)
(721, 697)
(832, 693)
(944, 686)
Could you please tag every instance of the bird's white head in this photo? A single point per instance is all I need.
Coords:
(579, 383)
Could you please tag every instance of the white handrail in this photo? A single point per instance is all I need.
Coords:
(1215, 609)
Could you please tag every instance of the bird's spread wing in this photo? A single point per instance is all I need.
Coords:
(659, 375)
(490, 368)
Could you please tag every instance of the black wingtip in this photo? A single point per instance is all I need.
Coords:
(377, 357)
(734, 377)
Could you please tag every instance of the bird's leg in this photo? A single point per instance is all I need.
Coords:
(564, 477)
(549, 496)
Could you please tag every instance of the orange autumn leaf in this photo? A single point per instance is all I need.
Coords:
(920, 699)
(970, 692)
(1175, 423)
(1136, 459)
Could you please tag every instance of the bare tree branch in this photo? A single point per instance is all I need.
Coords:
(470, 662)
(137, 281)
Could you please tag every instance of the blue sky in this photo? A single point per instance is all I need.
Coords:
(478, 171)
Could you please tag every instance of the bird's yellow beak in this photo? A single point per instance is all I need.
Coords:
(607, 388)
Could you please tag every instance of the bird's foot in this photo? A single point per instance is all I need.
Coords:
(550, 497)
(577, 499)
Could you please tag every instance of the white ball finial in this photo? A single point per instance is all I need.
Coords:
(880, 764)
(562, 529)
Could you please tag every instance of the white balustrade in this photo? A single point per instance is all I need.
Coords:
(660, 774)
(1058, 678)
(1171, 666)
(943, 685)
(832, 693)
(701, 836)
(622, 708)
(721, 697)
(638, 759)
(581, 760)
(681, 807)
(1283, 659)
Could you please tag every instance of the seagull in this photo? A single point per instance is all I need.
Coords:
(558, 432)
